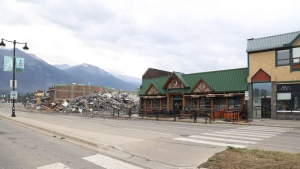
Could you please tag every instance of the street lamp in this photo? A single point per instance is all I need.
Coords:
(2, 44)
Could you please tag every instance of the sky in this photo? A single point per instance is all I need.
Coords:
(126, 37)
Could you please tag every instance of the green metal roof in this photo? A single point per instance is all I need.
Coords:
(233, 80)
(272, 42)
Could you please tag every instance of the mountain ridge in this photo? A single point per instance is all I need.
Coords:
(39, 75)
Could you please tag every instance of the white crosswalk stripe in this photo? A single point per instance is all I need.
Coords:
(54, 166)
(99, 160)
(109, 163)
(238, 138)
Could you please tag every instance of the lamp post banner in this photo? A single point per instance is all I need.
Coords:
(20, 65)
(8, 64)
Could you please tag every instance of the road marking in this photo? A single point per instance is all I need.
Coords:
(210, 142)
(222, 139)
(272, 129)
(229, 136)
(254, 131)
(54, 166)
(248, 133)
(147, 131)
(109, 163)
(241, 134)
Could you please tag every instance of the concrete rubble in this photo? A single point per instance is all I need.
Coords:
(91, 102)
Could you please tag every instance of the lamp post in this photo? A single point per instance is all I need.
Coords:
(2, 44)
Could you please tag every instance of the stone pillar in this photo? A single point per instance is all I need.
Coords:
(250, 103)
(273, 100)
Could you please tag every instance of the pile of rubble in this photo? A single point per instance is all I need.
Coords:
(92, 102)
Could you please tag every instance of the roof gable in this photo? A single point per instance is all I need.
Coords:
(152, 90)
(261, 76)
(201, 87)
(272, 42)
(175, 81)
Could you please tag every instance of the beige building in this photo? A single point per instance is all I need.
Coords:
(274, 76)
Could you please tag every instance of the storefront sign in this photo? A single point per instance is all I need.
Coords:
(288, 88)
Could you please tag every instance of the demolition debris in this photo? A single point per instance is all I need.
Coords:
(91, 102)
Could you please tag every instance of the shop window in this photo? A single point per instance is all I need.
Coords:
(234, 103)
(164, 103)
(284, 102)
(296, 102)
(156, 103)
(205, 103)
(220, 103)
(288, 102)
(148, 103)
(296, 55)
(283, 57)
(192, 103)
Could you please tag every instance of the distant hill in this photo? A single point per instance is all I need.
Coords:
(130, 79)
(40, 75)
(62, 66)
(89, 74)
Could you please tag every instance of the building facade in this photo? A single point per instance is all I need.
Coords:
(268, 88)
(213, 91)
(274, 76)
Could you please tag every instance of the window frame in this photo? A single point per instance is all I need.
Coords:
(288, 59)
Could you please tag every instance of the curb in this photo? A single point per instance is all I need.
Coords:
(49, 131)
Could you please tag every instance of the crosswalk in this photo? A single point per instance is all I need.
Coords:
(238, 138)
(98, 159)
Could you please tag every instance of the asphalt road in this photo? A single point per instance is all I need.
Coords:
(23, 148)
(154, 144)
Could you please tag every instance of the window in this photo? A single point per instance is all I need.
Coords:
(205, 103)
(296, 102)
(220, 103)
(296, 55)
(156, 103)
(164, 103)
(192, 103)
(283, 57)
(234, 103)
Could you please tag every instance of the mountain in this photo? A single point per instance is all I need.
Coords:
(62, 66)
(130, 79)
(89, 74)
(37, 74)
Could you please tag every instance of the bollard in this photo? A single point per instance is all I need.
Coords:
(175, 115)
(195, 116)
(210, 116)
(129, 112)
(205, 117)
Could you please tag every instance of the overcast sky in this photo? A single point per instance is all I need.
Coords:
(129, 36)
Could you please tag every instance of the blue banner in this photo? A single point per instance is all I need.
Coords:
(20, 65)
(8, 64)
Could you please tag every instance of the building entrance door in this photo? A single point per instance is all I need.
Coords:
(265, 107)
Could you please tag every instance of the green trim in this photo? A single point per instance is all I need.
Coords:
(293, 41)
(276, 57)
(293, 81)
